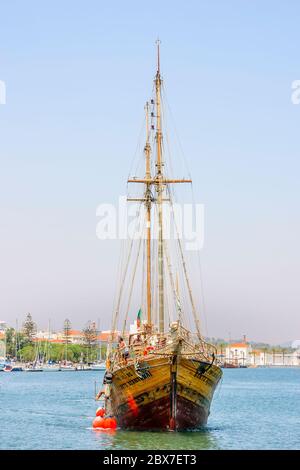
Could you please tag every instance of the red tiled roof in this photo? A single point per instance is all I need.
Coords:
(75, 333)
(239, 345)
(106, 336)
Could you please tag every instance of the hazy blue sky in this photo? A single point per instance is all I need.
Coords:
(77, 76)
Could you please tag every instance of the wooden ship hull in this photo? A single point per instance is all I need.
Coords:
(167, 394)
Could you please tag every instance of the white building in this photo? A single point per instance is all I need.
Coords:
(238, 353)
(45, 335)
(276, 359)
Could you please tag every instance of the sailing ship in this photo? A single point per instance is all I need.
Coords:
(160, 376)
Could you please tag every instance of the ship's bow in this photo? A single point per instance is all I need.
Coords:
(164, 393)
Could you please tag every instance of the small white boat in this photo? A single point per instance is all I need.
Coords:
(67, 367)
(49, 368)
(98, 366)
(34, 369)
(81, 367)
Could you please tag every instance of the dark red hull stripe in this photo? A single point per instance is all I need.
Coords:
(156, 415)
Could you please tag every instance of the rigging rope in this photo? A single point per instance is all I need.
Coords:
(143, 275)
(131, 286)
(175, 296)
(121, 291)
(196, 319)
(185, 161)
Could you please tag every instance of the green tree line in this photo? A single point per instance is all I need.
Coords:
(23, 347)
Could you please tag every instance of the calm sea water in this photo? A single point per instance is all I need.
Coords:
(252, 409)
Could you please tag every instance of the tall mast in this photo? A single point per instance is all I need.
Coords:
(159, 182)
(159, 190)
(148, 201)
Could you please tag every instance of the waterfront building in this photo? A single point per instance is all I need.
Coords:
(238, 354)
(277, 359)
(45, 335)
(74, 337)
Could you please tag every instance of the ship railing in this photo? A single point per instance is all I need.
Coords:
(194, 342)
(128, 354)
(160, 344)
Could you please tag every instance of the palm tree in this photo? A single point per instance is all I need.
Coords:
(67, 330)
(274, 352)
(265, 350)
(222, 346)
(283, 350)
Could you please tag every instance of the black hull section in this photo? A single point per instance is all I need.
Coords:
(157, 416)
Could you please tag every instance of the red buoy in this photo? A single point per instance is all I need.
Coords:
(113, 423)
(110, 423)
(100, 412)
(106, 423)
(98, 422)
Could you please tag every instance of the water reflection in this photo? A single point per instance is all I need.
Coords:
(191, 440)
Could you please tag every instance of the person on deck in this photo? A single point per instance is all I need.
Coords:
(137, 344)
(123, 349)
(137, 340)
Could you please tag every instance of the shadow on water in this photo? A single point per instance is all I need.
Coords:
(191, 440)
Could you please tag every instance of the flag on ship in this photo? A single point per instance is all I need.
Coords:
(138, 318)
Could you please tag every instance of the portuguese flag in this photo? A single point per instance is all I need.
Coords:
(138, 318)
